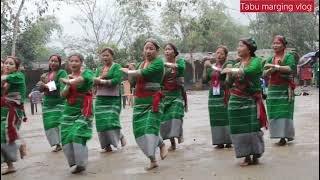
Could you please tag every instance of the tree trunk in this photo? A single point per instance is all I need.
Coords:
(15, 29)
(193, 66)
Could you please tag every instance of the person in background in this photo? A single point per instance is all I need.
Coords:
(126, 92)
(316, 73)
(35, 98)
(306, 78)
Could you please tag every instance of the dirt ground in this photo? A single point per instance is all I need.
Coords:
(194, 159)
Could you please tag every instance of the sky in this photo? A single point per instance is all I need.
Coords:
(65, 14)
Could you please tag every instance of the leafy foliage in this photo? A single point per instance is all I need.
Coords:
(300, 29)
(31, 44)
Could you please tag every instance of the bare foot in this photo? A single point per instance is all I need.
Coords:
(78, 169)
(246, 162)
(23, 150)
(173, 144)
(163, 151)
(9, 170)
(103, 151)
(153, 164)
(123, 141)
(180, 139)
(58, 148)
(172, 148)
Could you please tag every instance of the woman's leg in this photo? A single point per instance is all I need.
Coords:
(10, 169)
(123, 140)
(246, 161)
(173, 144)
(153, 164)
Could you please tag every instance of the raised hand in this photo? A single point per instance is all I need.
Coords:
(207, 64)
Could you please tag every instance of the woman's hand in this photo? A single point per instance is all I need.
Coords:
(70, 76)
(104, 74)
(132, 67)
(4, 85)
(226, 71)
(125, 70)
(268, 72)
(268, 66)
(41, 85)
(229, 71)
(170, 65)
(207, 64)
(65, 81)
(96, 81)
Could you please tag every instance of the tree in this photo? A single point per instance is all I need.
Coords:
(200, 25)
(31, 44)
(15, 29)
(90, 63)
(138, 25)
(300, 29)
(10, 32)
(99, 29)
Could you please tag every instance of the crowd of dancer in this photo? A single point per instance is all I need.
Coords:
(236, 109)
